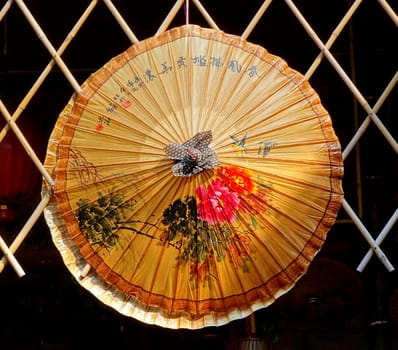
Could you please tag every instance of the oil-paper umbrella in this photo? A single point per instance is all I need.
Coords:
(196, 175)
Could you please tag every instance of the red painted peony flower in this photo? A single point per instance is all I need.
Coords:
(216, 203)
(236, 179)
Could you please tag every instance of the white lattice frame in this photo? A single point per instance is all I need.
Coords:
(325, 53)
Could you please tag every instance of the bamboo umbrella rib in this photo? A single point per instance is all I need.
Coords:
(29, 150)
(373, 244)
(27, 227)
(171, 129)
(170, 16)
(86, 269)
(390, 12)
(123, 24)
(205, 14)
(361, 130)
(380, 238)
(21, 107)
(256, 19)
(333, 37)
(43, 38)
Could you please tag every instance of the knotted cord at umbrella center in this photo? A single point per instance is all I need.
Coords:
(193, 156)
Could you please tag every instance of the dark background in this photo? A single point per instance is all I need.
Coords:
(333, 306)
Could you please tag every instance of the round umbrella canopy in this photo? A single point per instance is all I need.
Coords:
(197, 175)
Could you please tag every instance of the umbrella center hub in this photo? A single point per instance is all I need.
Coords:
(192, 156)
